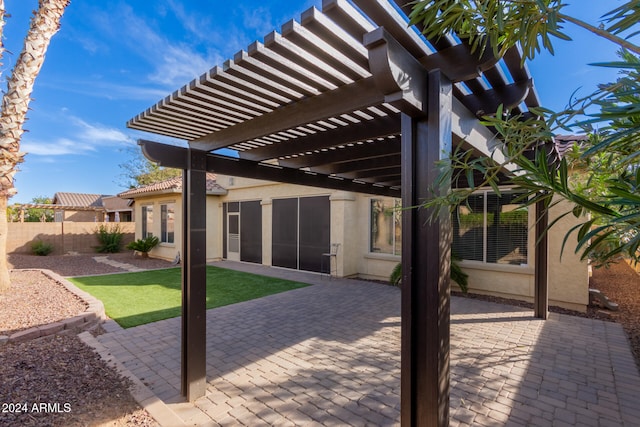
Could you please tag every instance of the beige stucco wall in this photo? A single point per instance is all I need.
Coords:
(568, 275)
(344, 230)
(350, 227)
(170, 250)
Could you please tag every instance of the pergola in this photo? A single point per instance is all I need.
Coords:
(348, 98)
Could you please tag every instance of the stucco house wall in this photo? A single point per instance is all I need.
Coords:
(350, 226)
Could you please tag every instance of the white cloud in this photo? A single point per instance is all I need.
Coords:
(55, 147)
(175, 63)
(179, 65)
(196, 24)
(99, 133)
(83, 138)
(258, 19)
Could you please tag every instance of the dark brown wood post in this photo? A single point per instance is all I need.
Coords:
(194, 286)
(426, 254)
(541, 291)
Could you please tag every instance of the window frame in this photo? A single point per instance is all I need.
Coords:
(485, 235)
(167, 236)
(147, 226)
(396, 222)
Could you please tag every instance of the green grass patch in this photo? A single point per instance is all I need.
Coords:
(133, 299)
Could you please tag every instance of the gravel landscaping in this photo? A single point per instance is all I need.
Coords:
(82, 390)
(59, 380)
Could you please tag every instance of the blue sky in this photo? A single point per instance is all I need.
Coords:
(112, 59)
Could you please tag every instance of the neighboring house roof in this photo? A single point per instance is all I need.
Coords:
(563, 143)
(171, 185)
(116, 204)
(78, 199)
(84, 202)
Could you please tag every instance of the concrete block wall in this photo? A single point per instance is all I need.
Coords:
(64, 236)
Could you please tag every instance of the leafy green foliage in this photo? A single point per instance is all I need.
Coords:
(40, 248)
(395, 278)
(139, 171)
(457, 275)
(144, 245)
(499, 25)
(110, 238)
(14, 212)
(600, 177)
(503, 24)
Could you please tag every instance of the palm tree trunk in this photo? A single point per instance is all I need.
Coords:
(5, 281)
(15, 102)
(2, 18)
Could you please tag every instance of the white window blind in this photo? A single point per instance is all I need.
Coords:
(491, 229)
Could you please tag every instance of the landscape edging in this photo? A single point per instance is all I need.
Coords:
(93, 315)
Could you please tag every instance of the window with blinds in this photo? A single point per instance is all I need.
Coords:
(491, 228)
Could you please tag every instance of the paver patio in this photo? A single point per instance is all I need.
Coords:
(329, 354)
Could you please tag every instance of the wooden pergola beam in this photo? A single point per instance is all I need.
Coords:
(194, 276)
(348, 98)
(176, 157)
(356, 151)
(375, 128)
(332, 72)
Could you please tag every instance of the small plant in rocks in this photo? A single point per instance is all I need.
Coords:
(143, 246)
(41, 248)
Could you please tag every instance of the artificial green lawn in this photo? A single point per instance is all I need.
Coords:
(133, 299)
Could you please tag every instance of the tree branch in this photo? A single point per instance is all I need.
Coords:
(602, 33)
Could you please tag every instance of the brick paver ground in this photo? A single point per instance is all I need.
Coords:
(329, 354)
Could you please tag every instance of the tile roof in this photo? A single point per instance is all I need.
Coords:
(78, 199)
(115, 203)
(171, 185)
(563, 143)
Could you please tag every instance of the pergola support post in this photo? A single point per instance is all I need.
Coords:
(541, 285)
(194, 287)
(426, 254)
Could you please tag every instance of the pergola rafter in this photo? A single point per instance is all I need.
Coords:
(348, 98)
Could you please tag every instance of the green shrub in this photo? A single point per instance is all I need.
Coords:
(110, 238)
(396, 275)
(456, 274)
(144, 245)
(459, 276)
(41, 248)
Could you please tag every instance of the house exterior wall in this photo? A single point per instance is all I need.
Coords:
(162, 250)
(351, 227)
(83, 216)
(169, 251)
(568, 275)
